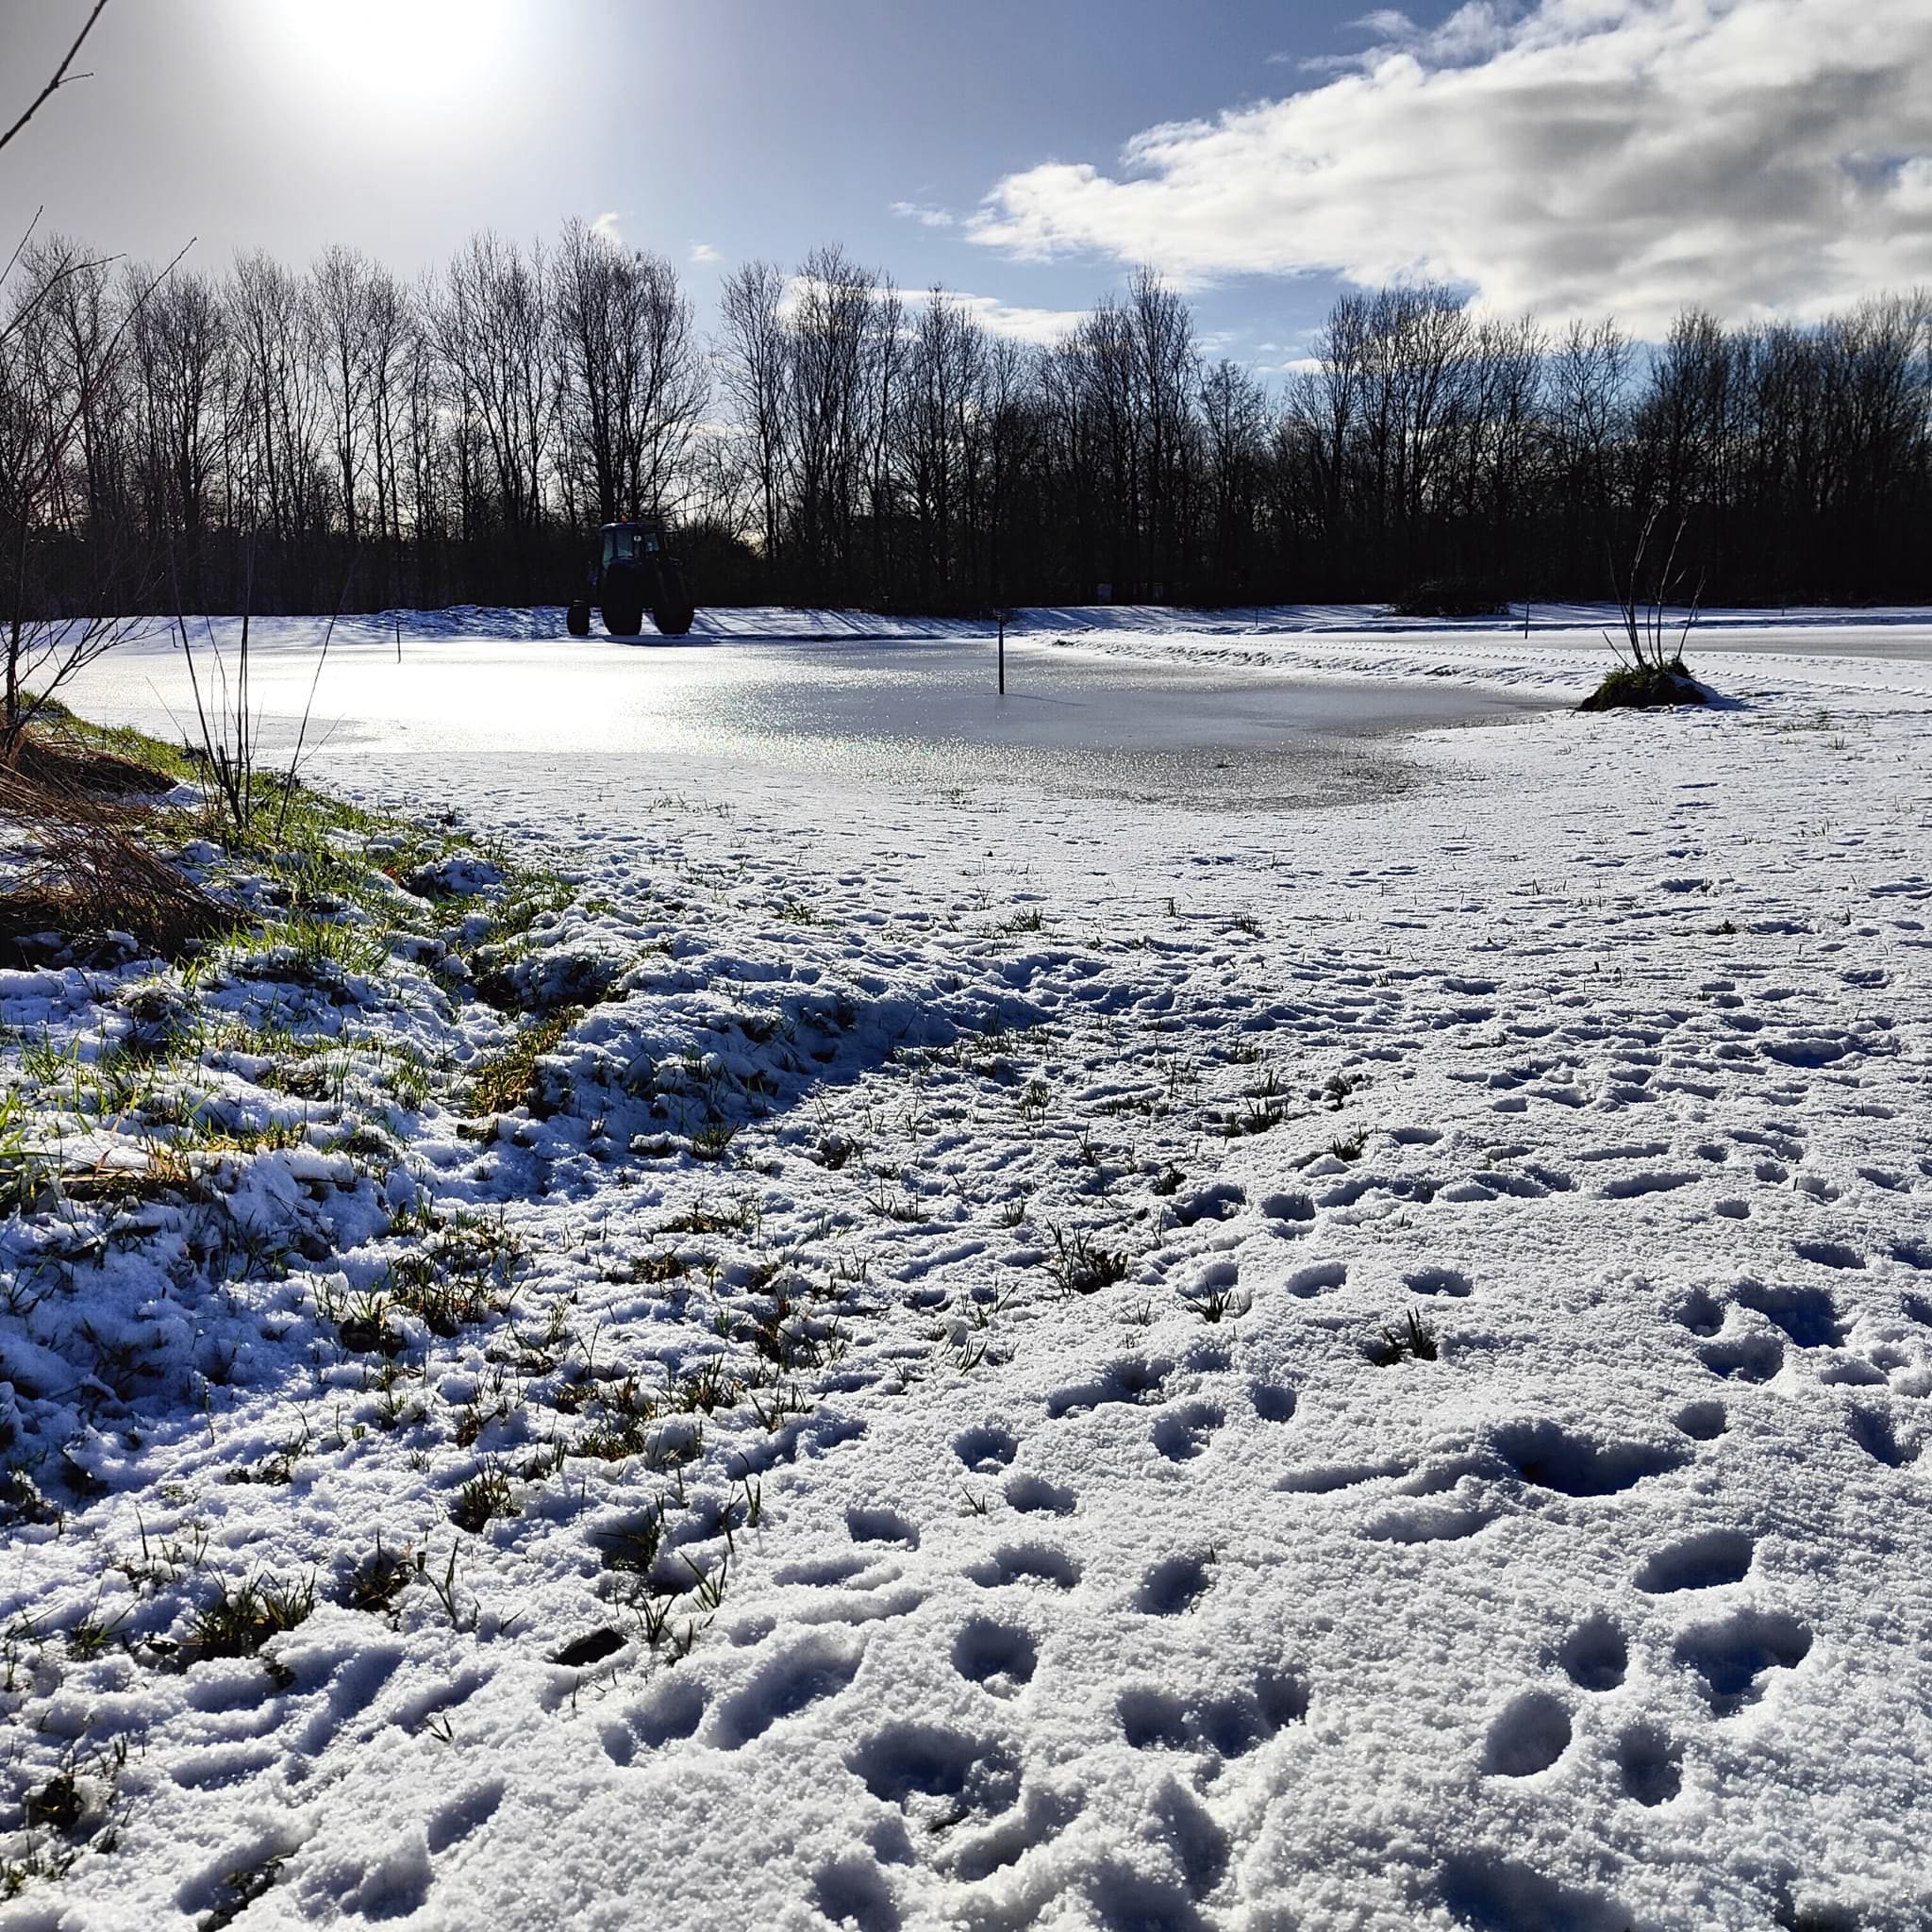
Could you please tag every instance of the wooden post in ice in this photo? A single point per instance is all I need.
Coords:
(1003, 653)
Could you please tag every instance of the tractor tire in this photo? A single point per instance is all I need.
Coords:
(671, 608)
(577, 620)
(622, 622)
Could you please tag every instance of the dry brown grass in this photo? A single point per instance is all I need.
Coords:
(86, 871)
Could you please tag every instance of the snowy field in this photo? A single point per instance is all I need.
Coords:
(1328, 1324)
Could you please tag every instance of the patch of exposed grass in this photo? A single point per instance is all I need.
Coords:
(1414, 1341)
(506, 1080)
(243, 1617)
(1080, 1266)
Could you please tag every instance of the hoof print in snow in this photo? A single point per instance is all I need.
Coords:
(985, 1450)
(1174, 1584)
(783, 1687)
(1595, 1654)
(1703, 1421)
(1550, 1457)
(1436, 1281)
(1733, 1655)
(1650, 1765)
(935, 1775)
(1132, 1381)
(1527, 1736)
(1181, 1434)
(1704, 1561)
(1026, 1563)
(880, 1527)
(1035, 1496)
(1748, 1359)
(998, 1656)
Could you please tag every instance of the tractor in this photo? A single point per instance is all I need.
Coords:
(632, 575)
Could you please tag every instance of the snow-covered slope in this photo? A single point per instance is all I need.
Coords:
(1035, 1507)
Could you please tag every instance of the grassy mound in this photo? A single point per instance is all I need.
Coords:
(1647, 688)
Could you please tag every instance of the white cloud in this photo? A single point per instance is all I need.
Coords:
(606, 225)
(1583, 158)
(1041, 326)
(703, 251)
(927, 214)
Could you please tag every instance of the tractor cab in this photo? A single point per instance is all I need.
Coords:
(632, 573)
(630, 542)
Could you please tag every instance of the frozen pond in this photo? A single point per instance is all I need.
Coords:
(924, 711)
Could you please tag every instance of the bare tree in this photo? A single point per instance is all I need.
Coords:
(755, 371)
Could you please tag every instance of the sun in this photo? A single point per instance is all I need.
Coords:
(391, 52)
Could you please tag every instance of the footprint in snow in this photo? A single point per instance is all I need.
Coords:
(1748, 1359)
(1026, 1563)
(937, 1775)
(1594, 1655)
(1034, 1496)
(1874, 1432)
(1000, 1657)
(1703, 1421)
(1650, 1764)
(854, 1891)
(1436, 1281)
(1706, 1561)
(1229, 1725)
(1131, 1380)
(1274, 1402)
(1527, 1736)
(1807, 1316)
(1181, 1434)
(985, 1450)
(1735, 1654)
(781, 1689)
(1173, 1585)
(880, 1527)
(1040, 1819)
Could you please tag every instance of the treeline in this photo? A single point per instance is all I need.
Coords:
(183, 439)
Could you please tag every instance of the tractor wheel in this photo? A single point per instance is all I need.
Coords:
(623, 623)
(577, 620)
(671, 609)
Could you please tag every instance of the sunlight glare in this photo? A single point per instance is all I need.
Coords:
(392, 51)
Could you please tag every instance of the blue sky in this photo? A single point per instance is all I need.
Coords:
(1580, 157)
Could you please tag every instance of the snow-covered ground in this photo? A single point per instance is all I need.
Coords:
(943, 1465)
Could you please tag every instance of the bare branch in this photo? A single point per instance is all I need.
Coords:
(62, 77)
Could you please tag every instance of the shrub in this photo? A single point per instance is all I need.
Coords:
(1452, 596)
